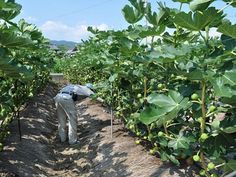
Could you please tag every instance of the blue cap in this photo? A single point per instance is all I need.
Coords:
(89, 85)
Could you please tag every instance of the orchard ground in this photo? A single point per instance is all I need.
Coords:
(40, 152)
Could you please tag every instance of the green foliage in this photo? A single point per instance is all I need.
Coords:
(199, 4)
(150, 85)
(228, 29)
(24, 64)
(9, 10)
(224, 84)
(133, 15)
(167, 108)
(198, 21)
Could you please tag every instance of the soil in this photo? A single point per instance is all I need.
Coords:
(40, 153)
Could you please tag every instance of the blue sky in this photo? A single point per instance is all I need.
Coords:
(69, 19)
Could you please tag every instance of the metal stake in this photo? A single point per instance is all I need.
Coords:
(111, 112)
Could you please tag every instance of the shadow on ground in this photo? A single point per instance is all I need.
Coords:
(40, 153)
(97, 155)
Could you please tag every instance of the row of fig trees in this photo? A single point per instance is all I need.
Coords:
(172, 83)
(24, 65)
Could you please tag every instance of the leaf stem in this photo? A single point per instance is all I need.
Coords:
(171, 138)
(202, 37)
(165, 128)
(220, 165)
(199, 102)
(207, 34)
(209, 114)
(181, 5)
(172, 124)
(233, 53)
(225, 7)
(145, 87)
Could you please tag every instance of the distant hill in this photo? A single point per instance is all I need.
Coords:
(67, 44)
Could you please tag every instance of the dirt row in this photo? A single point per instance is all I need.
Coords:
(98, 154)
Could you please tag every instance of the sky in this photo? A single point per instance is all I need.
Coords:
(69, 19)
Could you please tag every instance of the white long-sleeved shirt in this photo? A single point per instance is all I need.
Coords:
(80, 90)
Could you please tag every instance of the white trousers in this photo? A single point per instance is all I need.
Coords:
(65, 108)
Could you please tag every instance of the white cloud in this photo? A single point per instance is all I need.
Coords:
(30, 19)
(102, 27)
(60, 31)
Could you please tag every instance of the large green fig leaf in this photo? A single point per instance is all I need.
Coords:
(224, 85)
(199, 4)
(154, 18)
(167, 107)
(14, 70)
(181, 142)
(229, 42)
(169, 53)
(152, 114)
(130, 15)
(215, 145)
(228, 29)
(228, 125)
(230, 166)
(30, 29)
(221, 89)
(199, 20)
(9, 10)
(133, 15)
(10, 39)
(151, 31)
(230, 77)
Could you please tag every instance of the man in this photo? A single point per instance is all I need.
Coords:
(65, 107)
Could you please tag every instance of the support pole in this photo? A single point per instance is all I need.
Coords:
(111, 122)
(19, 124)
(111, 111)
